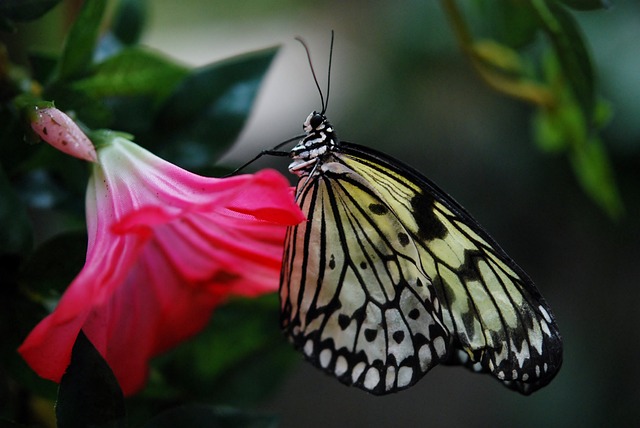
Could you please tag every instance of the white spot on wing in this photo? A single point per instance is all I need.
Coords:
(424, 354)
(545, 314)
(325, 357)
(372, 378)
(440, 346)
(308, 348)
(341, 366)
(357, 371)
(523, 354)
(390, 378)
(405, 374)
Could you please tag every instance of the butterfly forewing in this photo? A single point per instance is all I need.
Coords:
(499, 322)
(355, 297)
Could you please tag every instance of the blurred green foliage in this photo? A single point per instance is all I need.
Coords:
(558, 80)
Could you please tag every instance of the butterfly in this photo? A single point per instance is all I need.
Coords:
(390, 276)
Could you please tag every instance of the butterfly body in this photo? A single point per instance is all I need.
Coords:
(390, 276)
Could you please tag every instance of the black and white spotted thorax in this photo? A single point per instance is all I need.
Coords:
(320, 140)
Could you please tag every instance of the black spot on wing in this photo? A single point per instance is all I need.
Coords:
(429, 227)
(370, 334)
(378, 209)
(398, 336)
(403, 238)
(332, 262)
(414, 314)
(343, 321)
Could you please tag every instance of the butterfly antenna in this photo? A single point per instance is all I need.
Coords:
(329, 74)
(313, 72)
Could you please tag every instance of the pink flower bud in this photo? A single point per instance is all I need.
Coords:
(57, 129)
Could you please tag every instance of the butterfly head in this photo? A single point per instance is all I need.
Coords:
(320, 140)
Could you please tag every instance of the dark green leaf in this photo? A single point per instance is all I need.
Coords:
(202, 416)
(89, 110)
(134, 114)
(512, 22)
(16, 234)
(587, 4)
(42, 65)
(208, 109)
(77, 54)
(132, 71)
(25, 10)
(239, 358)
(6, 25)
(89, 394)
(571, 52)
(129, 20)
(13, 147)
(55, 264)
(18, 315)
(593, 169)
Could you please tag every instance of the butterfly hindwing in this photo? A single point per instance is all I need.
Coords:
(499, 322)
(355, 298)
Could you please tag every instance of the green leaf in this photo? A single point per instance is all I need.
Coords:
(130, 72)
(55, 263)
(77, 54)
(129, 20)
(18, 315)
(91, 111)
(203, 416)
(89, 394)
(43, 65)
(13, 147)
(25, 10)
(206, 112)
(593, 169)
(16, 234)
(548, 135)
(587, 4)
(571, 52)
(512, 22)
(239, 358)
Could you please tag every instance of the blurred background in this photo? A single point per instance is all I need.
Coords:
(400, 84)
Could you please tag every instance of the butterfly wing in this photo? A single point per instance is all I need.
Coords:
(355, 298)
(499, 322)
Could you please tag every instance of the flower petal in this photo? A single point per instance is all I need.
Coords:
(165, 248)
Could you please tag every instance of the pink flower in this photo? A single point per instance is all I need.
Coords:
(165, 248)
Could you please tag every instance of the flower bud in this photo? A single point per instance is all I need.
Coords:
(57, 129)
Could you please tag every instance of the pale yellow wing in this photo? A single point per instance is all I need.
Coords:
(355, 297)
(499, 322)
